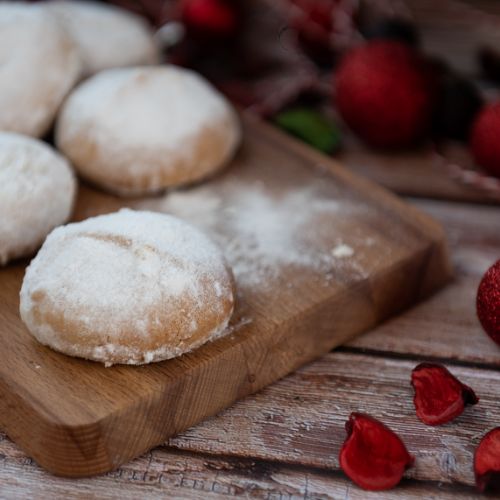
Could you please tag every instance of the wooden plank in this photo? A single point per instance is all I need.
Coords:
(300, 420)
(174, 474)
(410, 173)
(78, 418)
(446, 326)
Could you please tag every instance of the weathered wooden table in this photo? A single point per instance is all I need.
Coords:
(283, 442)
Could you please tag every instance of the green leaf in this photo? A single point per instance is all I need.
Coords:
(310, 126)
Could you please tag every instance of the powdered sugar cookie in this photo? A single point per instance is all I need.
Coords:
(39, 65)
(128, 287)
(37, 189)
(140, 130)
(106, 36)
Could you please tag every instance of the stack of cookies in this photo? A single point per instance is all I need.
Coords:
(129, 287)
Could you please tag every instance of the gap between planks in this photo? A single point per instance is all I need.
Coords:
(475, 239)
(416, 358)
(189, 476)
(300, 419)
(242, 430)
(445, 326)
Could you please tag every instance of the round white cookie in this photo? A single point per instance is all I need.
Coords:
(37, 190)
(139, 130)
(106, 36)
(39, 65)
(128, 287)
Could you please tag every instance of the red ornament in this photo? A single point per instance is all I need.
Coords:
(385, 92)
(485, 139)
(373, 456)
(439, 396)
(488, 302)
(209, 18)
(487, 461)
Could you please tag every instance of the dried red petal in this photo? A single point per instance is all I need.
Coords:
(373, 456)
(488, 302)
(487, 461)
(439, 396)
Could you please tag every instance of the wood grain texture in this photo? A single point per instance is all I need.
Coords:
(300, 420)
(228, 455)
(166, 473)
(473, 233)
(77, 418)
(446, 325)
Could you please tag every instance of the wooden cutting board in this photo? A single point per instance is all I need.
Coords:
(319, 256)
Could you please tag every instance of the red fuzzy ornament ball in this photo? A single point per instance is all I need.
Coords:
(385, 92)
(488, 302)
(209, 18)
(485, 139)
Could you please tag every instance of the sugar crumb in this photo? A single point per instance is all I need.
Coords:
(342, 251)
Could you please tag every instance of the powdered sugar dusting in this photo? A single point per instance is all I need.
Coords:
(261, 232)
(39, 65)
(106, 36)
(341, 251)
(168, 104)
(147, 128)
(143, 107)
(37, 189)
(127, 272)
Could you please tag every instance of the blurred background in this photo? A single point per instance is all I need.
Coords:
(393, 88)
